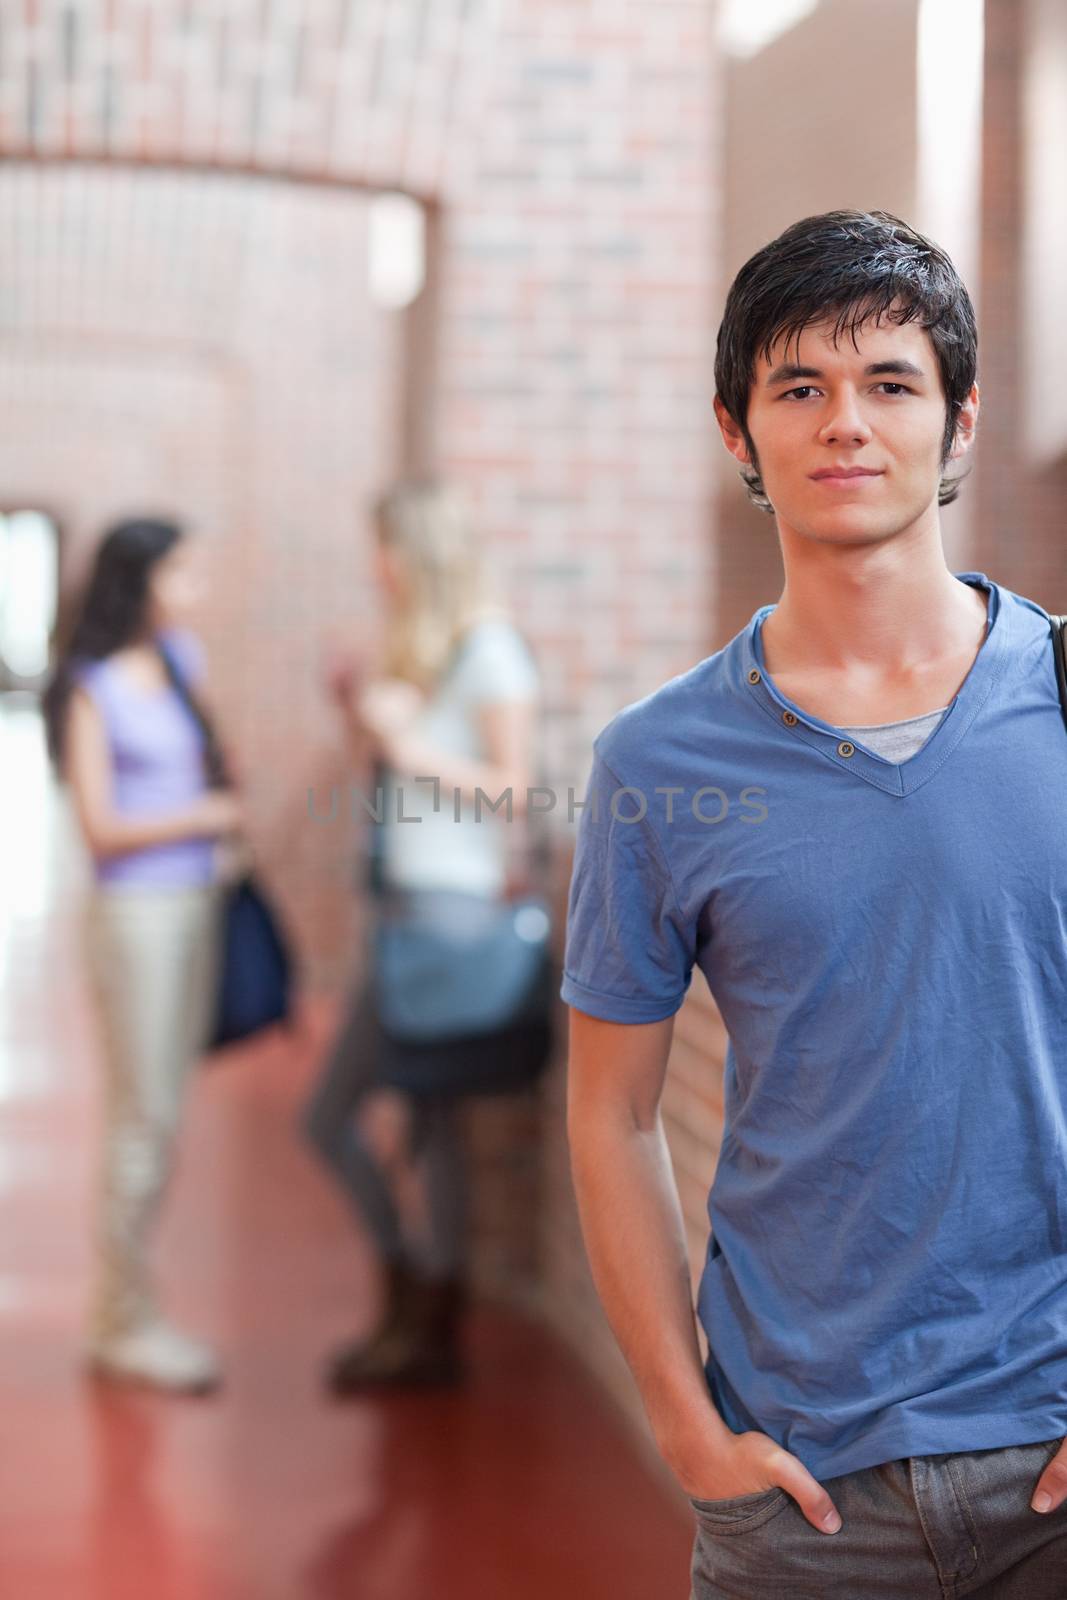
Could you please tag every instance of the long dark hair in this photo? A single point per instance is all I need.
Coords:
(112, 612)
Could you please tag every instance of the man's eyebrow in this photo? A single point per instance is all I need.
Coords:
(789, 371)
(901, 369)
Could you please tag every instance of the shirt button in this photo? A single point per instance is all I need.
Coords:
(846, 749)
(753, 676)
(788, 718)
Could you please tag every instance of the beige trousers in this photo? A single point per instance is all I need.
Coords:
(153, 957)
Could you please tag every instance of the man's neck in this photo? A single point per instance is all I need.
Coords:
(885, 612)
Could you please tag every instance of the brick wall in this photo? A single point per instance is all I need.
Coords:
(1021, 488)
(577, 300)
(187, 322)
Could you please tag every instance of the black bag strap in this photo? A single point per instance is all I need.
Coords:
(375, 877)
(214, 760)
(1059, 625)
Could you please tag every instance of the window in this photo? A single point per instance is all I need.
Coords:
(29, 571)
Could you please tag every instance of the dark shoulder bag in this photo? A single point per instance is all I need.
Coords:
(255, 970)
(1059, 628)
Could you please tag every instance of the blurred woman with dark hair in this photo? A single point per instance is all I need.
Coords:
(140, 774)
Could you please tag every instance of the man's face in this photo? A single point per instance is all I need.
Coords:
(849, 437)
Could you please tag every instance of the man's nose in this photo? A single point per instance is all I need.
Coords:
(845, 423)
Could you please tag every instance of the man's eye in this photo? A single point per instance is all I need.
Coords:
(896, 388)
(803, 390)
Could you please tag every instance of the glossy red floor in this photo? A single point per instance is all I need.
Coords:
(523, 1486)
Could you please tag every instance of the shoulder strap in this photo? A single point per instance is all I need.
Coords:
(1059, 625)
(373, 877)
(215, 761)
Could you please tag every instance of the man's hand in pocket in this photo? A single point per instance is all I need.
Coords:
(1051, 1487)
(753, 1461)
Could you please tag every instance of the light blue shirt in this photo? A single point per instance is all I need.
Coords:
(887, 943)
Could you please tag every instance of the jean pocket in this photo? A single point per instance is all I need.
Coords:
(741, 1512)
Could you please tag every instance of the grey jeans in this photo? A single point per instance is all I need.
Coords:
(924, 1528)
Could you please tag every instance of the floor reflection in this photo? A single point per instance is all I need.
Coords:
(269, 1491)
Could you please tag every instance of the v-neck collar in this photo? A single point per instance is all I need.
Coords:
(845, 751)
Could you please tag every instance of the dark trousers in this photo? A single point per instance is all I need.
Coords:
(352, 1072)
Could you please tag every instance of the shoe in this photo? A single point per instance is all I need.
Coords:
(157, 1355)
(399, 1286)
(417, 1341)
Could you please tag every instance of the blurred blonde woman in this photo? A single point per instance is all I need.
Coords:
(456, 698)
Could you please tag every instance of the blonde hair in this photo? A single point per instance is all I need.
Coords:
(447, 586)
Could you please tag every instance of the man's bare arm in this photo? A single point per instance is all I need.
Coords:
(632, 1224)
(635, 1238)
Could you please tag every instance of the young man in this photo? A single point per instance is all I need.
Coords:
(851, 818)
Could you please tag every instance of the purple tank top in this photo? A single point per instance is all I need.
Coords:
(157, 763)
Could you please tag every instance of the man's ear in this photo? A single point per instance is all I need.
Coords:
(732, 437)
(966, 423)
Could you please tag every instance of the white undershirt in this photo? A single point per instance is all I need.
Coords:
(897, 741)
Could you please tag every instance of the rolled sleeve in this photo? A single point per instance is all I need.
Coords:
(629, 950)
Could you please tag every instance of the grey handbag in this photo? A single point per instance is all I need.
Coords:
(452, 965)
(464, 994)
(464, 986)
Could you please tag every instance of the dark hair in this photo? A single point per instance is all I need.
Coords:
(851, 266)
(111, 613)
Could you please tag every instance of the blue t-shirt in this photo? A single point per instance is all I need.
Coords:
(887, 944)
